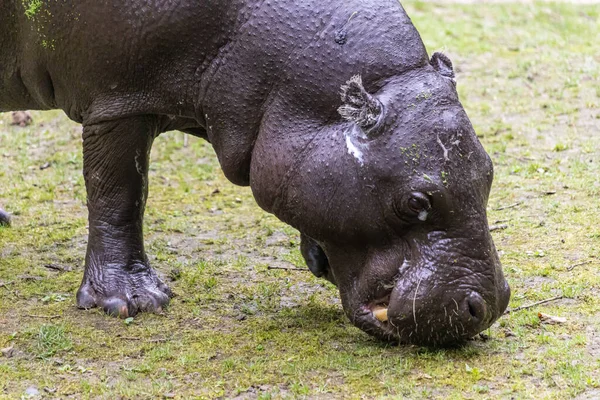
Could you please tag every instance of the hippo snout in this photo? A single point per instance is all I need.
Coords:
(423, 323)
(423, 308)
(436, 317)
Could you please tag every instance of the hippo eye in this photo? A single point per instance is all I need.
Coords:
(411, 206)
(414, 204)
(419, 204)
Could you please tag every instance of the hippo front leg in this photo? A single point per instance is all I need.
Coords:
(117, 275)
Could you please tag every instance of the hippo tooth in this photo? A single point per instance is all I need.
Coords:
(381, 313)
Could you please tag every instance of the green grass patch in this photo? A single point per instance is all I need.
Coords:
(50, 340)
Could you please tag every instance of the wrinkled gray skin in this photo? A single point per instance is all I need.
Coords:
(387, 184)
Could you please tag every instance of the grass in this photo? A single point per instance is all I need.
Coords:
(51, 340)
(527, 76)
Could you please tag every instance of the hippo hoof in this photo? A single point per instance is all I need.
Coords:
(125, 294)
(4, 218)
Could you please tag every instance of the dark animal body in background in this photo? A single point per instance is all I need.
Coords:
(4, 218)
(387, 183)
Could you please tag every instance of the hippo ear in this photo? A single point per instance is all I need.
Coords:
(442, 64)
(359, 106)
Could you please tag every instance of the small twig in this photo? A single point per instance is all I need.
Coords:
(56, 267)
(4, 284)
(288, 268)
(498, 227)
(509, 206)
(572, 267)
(520, 158)
(43, 316)
(30, 278)
(537, 303)
(160, 340)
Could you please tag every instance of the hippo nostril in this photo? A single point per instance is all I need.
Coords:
(472, 310)
(476, 306)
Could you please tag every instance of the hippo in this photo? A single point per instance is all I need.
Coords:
(332, 112)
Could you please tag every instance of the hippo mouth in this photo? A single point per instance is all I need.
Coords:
(379, 307)
(372, 317)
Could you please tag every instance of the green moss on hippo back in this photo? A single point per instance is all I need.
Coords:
(48, 44)
(32, 7)
(412, 153)
(39, 16)
(444, 176)
(424, 95)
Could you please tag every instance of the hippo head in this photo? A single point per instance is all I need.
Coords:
(391, 204)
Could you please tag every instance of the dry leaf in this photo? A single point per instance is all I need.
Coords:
(8, 352)
(551, 319)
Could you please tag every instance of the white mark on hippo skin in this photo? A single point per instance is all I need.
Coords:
(138, 166)
(353, 149)
(206, 117)
(454, 143)
(405, 265)
(140, 170)
(423, 215)
(445, 151)
(414, 302)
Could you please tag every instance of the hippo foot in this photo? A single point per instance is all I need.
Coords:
(4, 218)
(124, 293)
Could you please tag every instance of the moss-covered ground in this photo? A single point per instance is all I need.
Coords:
(529, 77)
